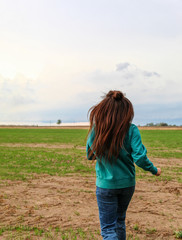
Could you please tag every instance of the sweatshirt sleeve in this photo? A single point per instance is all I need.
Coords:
(90, 140)
(88, 151)
(139, 152)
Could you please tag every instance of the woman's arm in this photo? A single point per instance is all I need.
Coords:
(139, 153)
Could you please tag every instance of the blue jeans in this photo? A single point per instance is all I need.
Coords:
(112, 204)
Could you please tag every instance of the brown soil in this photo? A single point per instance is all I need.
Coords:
(37, 145)
(70, 202)
(41, 145)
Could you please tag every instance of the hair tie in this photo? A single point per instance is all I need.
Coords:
(116, 95)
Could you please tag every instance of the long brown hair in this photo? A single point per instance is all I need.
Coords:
(111, 119)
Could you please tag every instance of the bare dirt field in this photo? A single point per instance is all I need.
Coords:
(87, 127)
(154, 212)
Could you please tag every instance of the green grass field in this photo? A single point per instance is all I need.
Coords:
(163, 143)
(61, 136)
(23, 156)
(24, 161)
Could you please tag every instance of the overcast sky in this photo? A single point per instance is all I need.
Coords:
(57, 57)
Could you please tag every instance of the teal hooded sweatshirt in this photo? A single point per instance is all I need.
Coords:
(121, 173)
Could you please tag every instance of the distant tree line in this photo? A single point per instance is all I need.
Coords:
(162, 124)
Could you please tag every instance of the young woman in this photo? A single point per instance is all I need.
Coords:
(116, 145)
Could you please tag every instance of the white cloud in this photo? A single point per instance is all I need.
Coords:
(132, 69)
(16, 91)
(17, 94)
(150, 74)
(121, 66)
(69, 95)
(126, 77)
(67, 56)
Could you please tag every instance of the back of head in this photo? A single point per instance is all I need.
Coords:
(111, 119)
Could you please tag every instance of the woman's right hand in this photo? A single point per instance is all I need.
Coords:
(158, 172)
